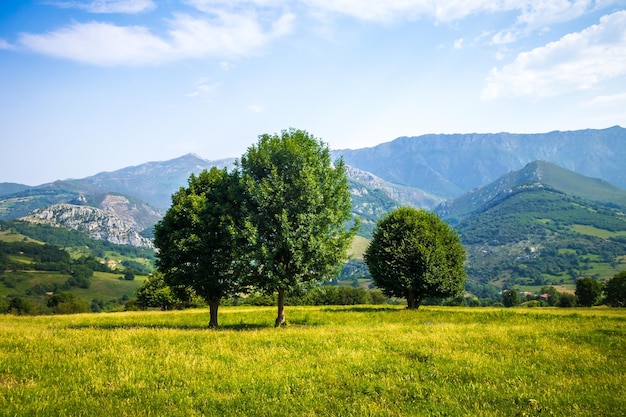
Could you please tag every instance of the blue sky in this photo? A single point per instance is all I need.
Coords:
(98, 85)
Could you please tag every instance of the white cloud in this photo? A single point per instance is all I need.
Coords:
(221, 34)
(228, 34)
(255, 108)
(108, 6)
(539, 15)
(100, 44)
(5, 45)
(531, 11)
(502, 38)
(210, 5)
(374, 10)
(577, 61)
(531, 15)
(458, 44)
(204, 88)
(612, 100)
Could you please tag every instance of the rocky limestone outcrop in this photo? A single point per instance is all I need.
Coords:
(404, 195)
(97, 223)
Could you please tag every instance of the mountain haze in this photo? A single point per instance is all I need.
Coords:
(425, 171)
(152, 182)
(538, 174)
(451, 165)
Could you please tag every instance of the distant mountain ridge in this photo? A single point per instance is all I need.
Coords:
(537, 174)
(420, 171)
(541, 225)
(451, 165)
(152, 182)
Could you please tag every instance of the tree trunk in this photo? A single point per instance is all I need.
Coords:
(214, 304)
(413, 300)
(280, 319)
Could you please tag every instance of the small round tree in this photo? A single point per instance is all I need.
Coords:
(588, 292)
(414, 254)
(615, 290)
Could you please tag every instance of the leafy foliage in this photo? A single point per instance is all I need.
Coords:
(414, 254)
(298, 204)
(588, 292)
(154, 292)
(615, 290)
(200, 240)
(67, 303)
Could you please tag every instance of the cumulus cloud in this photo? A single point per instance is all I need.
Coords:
(373, 10)
(227, 28)
(611, 100)
(532, 13)
(100, 44)
(220, 34)
(210, 5)
(108, 6)
(204, 88)
(539, 15)
(577, 61)
(5, 45)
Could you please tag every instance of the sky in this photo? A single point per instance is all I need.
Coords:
(88, 86)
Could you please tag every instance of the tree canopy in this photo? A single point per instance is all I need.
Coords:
(615, 290)
(414, 254)
(200, 240)
(588, 292)
(298, 202)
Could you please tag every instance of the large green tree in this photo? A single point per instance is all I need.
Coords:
(298, 204)
(200, 239)
(615, 290)
(588, 292)
(414, 254)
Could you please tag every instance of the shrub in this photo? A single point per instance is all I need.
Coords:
(67, 303)
(567, 300)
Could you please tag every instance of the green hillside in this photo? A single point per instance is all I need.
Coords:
(94, 271)
(539, 175)
(537, 236)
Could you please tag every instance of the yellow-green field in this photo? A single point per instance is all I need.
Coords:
(337, 361)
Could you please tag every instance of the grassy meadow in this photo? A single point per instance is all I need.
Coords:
(329, 361)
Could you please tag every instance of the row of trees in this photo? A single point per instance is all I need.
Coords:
(155, 293)
(279, 223)
(589, 292)
(275, 223)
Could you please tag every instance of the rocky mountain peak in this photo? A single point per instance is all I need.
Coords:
(97, 223)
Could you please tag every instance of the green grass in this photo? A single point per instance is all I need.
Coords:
(358, 247)
(106, 286)
(103, 285)
(594, 231)
(8, 236)
(364, 361)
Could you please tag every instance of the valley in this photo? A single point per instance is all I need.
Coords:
(525, 223)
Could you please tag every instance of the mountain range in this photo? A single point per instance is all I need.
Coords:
(451, 165)
(541, 225)
(491, 187)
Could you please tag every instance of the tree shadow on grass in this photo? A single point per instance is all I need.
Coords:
(195, 327)
(363, 310)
